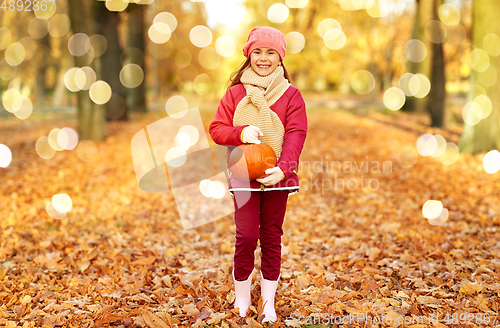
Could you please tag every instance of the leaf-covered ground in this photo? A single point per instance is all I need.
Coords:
(121, 258)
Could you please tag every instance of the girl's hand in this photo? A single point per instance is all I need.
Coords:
(251, 134)
(274, 176)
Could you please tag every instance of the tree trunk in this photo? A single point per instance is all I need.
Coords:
(424, 12)
(60, 91)
(437, 94)
(485, 135)
(41, 88)
(345, 87)
(91, 117)
(107, 25)
(432, 66)
(136, 97)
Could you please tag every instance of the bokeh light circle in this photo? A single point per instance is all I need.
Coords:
(167, 18)
(377, 8)
(295, 42)
(441, 219)
(100, 92)
(419, 85)
(449, 14)
(67, 138)
(209, 58)
(84, 77)
(491, 161)
(472, 113)
(486, 105)
(8, 98)
(69, 79)
(202, 84)
(30, 47)
(87, 150)
(204, 184)
(451, 154)
(362, 82)
(15, 54)
(5, 156)
(491, 44)
(435, 31)
(175, 157)
(327, 24)
(59, 25)
(479, 60)
(278, 13)
(62, 203)
(97, 42)
(177, 106)
(403, 83)
(432, 209)
(200, 36)
(43, 148)
(53, 140)
(225, 46)
(334, 39)
(159, 33)
(441, 146)
(407, 157)
(488, 77)
(116, 5)
(78, 44)
(216, 189)
(131, 75)
(37, 28)
(53, 213)
(426, 144)
(192, 132)
(394, 98)
(22, 107)
(415, 50)
(296, 3)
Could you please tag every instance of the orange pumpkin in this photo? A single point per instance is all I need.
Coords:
(248, 162)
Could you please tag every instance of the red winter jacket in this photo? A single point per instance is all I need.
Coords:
(291, 110)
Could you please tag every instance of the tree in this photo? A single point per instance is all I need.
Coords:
(107, 25)
(91, 117)
(485, 135)
(432, 66)
(136, 97)
(41, 87)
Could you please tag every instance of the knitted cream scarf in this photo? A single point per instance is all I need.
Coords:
(254, 108)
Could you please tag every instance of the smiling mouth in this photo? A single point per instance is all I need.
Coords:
(263, 66)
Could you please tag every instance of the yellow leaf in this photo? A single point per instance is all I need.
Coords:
(144, 261)
(152, 320)
(470, 288)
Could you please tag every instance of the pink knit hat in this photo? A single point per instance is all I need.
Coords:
(265, 37)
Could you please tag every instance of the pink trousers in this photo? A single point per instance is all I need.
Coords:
(259, 216)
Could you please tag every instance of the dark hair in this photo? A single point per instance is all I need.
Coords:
(236, 75)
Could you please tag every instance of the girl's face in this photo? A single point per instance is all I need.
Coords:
(264, 60)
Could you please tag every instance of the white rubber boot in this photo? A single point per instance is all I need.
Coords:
(268, 291)
(242, 291)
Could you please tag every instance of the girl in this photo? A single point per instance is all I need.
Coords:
(260, 105)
